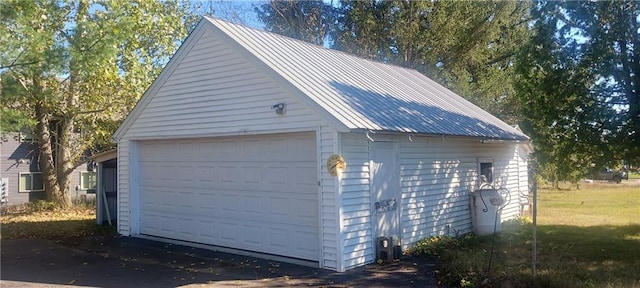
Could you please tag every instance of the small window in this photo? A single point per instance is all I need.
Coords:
(87, 180)
(26, 135)
(31, 182)
(486, 170)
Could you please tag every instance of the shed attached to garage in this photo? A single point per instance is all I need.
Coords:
(234, 145)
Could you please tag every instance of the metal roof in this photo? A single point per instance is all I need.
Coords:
(368, 95)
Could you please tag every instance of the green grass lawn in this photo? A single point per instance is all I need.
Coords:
(593, 205)
(585, 238)
(590, 237)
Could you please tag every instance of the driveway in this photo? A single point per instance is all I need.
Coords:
(114, 261)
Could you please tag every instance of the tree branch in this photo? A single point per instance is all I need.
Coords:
(19, 64)
(90, 111)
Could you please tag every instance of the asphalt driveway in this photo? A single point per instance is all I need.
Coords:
(132, 262)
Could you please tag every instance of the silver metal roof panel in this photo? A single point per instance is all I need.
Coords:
(369, 95)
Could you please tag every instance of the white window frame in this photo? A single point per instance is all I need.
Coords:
(21, 189)
(493, 175)
(26, 136)
(83, 186)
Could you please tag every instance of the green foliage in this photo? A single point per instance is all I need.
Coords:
(609, 54)
(311, 21)
(41, 206)
(466, 46)
(455, 270)
(76, 68)
(436, 245)
(12, 120)
(577, 86)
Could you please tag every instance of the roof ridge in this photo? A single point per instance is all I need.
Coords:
(211, 18)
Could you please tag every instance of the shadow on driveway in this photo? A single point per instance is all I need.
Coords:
(113, 261)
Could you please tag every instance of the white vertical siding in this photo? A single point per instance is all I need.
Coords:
(329, 217)
(437, 176)
(124, 216)
(211, 88)
(523, 177)
(211, 91)
(214, 90)
(515, 178)
(356, 202)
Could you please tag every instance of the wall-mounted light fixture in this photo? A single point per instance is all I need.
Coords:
(281, 108)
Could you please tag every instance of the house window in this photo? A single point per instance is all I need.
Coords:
(486, 170)
(26, 135)
(87, 180)
(31, 182)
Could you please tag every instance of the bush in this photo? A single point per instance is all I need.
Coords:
(41, 206)
(464, 261)
(453, 254)
(434, 246)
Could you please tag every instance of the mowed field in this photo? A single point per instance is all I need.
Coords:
(594, 204)
(590, 237)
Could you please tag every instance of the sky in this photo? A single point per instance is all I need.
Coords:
(242, 12)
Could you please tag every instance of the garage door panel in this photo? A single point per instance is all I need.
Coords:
(228, 233)
(186, 227)
(152, 220)
(252, 237)
(206, 230)
(256, 193)
(306, 209)
(278, 238)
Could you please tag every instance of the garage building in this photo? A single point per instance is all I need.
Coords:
(253, 142)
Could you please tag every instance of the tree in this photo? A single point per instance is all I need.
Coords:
(554, 111)
(612, 32)
(78, 67)
(468, 47)
(577, 86)
(310, 21)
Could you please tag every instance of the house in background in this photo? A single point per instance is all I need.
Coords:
(21, 176)
(256, 143)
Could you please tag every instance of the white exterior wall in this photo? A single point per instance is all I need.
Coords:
(329, 215)
(124, 207)
(436, 176)
(356, 202)
(211, 90)
(213, 87)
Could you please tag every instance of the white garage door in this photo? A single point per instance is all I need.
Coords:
(256, 193)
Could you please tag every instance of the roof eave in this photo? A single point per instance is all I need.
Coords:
(481, 139)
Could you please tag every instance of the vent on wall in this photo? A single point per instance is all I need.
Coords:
(4, 190)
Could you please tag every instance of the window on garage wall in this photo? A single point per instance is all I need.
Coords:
(485, 167)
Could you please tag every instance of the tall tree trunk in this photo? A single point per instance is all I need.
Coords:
(47, 164)
(64, 163)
